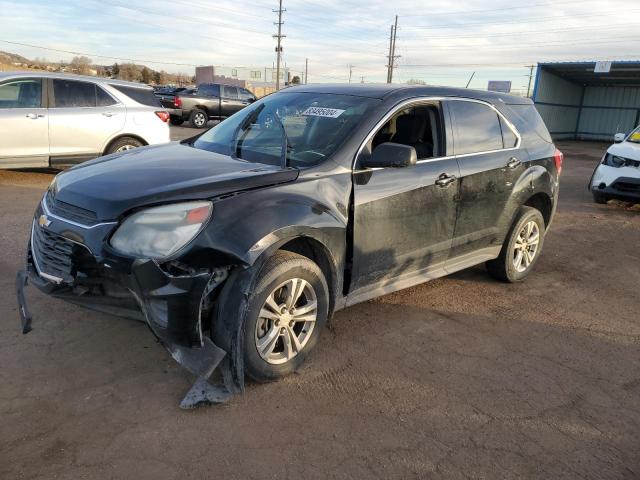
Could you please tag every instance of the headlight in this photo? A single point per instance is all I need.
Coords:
(614, 161)
(159, 232)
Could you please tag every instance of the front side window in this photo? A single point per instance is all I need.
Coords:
(230, 92)
(23, 93)
(73, 94)
(246, 94)
(418, 126)
(312, 126)
(477, 127)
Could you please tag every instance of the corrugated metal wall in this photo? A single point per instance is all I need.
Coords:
(604, 112)
(607, 111)
(558, 102)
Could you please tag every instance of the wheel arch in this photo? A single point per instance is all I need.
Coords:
(542, 202)
(122, 135)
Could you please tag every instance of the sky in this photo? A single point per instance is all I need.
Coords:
(438, 41)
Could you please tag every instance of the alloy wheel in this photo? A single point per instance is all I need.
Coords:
(525, 247)
(199, 119)
(286, 321)
(124, 148)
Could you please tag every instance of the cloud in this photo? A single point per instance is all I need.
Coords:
(496, 38)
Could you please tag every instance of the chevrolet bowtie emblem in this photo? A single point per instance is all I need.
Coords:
(43, 221)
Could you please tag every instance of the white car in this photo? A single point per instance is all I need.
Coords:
(618, 174)
(51, 120)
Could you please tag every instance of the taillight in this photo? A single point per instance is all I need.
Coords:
(164, 116)
(177, 102)
(558, 156)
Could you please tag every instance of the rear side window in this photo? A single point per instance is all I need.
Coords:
(73, 94)
(230, 92)
(143, 96)
(103, 99)
(209, 90)
(24, 93)
(529, 123)
(477, 128)
(508, 137)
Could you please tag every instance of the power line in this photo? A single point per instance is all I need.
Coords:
(132, 60)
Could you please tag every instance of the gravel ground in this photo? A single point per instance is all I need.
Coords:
(462, 377)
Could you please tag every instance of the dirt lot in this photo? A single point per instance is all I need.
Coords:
(462, 377)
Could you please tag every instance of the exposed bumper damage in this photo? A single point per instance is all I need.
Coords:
(174, 303)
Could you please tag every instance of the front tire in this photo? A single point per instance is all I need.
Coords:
(198, 118)
(521, 249)
(285, 316)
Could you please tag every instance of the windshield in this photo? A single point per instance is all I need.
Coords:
(635, 136)
(294, 129)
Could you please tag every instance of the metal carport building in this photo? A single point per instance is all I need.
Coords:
(576, 102)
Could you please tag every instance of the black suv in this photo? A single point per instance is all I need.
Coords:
(235, 247)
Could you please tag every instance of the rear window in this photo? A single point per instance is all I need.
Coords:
(144, 96)
(529, 123)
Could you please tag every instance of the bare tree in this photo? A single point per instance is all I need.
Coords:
(129, 71)
(416, 81)
(81, 65)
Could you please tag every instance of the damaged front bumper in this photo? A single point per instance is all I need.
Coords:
(70, 262)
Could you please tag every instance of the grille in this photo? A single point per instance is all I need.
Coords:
(71, 212)
(52, 254)
(627, 187)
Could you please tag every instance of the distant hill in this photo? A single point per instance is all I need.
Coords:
(6, 57)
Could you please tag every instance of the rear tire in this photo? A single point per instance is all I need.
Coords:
(198, 118)
(123, 144)
(521, 248)
(277, 341)
(600, 198)
(176, 120)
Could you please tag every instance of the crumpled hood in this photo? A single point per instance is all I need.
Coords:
(628, 150)
(114, 184)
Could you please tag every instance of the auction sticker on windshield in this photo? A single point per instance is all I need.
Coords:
(323, 112)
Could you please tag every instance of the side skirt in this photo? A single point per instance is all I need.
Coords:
(412, 279)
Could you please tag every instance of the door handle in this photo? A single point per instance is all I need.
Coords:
(513, 163)
(108, 114)
(33, 116)
(444, 180)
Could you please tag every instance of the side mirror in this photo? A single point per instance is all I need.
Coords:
(393, 155)
(619, 137)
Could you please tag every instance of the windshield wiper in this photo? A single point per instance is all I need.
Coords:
(285, 142)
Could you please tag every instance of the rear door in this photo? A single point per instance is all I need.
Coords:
(404, 218)
(82, 117)
(231, 102)
(24, 131)
(490, 165)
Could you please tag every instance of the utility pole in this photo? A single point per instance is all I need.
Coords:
(350, 71)
(279, 36)
(393, 56)
(362, 79)
(389, 56)
(306, 70)
(531, 67)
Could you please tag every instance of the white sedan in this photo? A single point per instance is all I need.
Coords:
(618, 174)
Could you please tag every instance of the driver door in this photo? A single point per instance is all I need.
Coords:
(404, 218)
